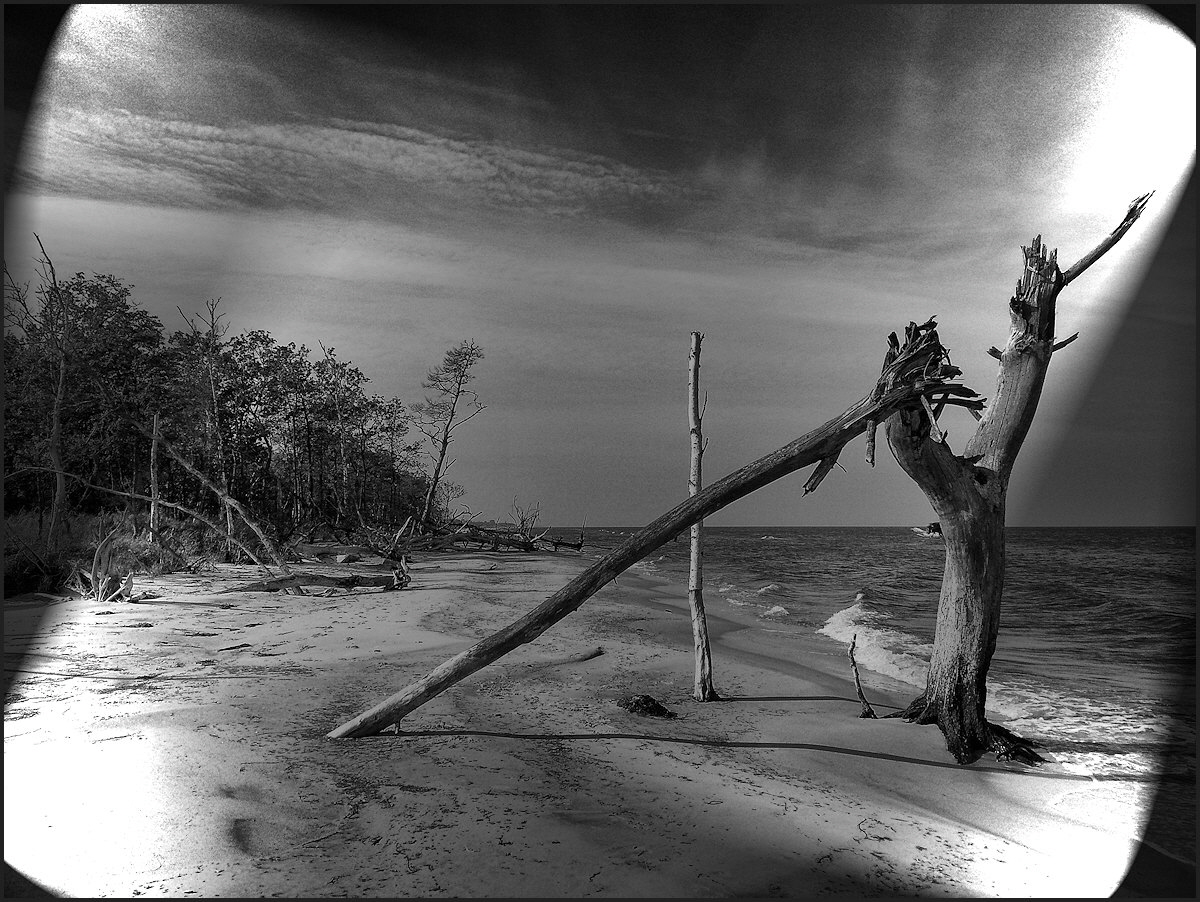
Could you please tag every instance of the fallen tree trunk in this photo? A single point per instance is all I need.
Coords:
(350, 581)
(311, 549)
(564, 543)
(921, 369)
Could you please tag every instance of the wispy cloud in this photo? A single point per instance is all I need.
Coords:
(342, 165)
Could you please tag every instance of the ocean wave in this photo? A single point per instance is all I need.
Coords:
(769, 589)
(1097, 736)
(648, 566)
(1087, 735)
(890, 652)
(775, 611)
(743, 597)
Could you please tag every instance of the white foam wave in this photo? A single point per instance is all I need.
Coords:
(891, 652)
(1096, 736)
(1060, 720)
(768, 588)
(735, 594)
(776, 611)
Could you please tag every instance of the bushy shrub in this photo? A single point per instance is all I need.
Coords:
(29, 567)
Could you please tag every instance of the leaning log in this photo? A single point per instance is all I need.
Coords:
(921, 369)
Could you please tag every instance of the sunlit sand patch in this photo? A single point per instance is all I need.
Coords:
(88, 811)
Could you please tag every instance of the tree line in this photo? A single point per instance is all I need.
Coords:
(106, 410)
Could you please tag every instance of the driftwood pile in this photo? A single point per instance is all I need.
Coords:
(495, 537)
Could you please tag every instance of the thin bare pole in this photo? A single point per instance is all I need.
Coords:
(703, 690)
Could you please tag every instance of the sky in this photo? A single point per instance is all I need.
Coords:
(578, 188)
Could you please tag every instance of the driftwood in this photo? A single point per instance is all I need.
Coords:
(867, 710)
(291, 580)
(475, 535)
(309, 549)
(921, 369)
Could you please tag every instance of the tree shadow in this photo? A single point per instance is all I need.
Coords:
(801, 698)
(734, 744)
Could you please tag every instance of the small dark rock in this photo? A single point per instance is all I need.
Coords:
(646, 705)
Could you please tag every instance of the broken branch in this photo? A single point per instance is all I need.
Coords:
(1066, 341)
(867, 710)
(1136, 206)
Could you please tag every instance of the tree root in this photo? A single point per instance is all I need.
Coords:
(1006, 745)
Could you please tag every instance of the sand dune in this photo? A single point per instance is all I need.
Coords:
(177, 747)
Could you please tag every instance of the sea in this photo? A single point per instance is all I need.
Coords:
(1096, 656)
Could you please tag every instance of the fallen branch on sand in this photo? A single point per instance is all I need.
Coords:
(867, 710)
(351, 581)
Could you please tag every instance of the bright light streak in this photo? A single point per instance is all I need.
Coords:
(1143, 133)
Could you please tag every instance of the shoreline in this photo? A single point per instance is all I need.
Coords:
(188, 755)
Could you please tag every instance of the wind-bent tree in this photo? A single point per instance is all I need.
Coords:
(702, 690)
(440, 414)
(968, 493)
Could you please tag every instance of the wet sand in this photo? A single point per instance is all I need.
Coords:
(177, 747)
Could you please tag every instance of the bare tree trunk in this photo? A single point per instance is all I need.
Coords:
(154, 512)
(61, 340)
(968, 493)
(703, 690)
(443, 446)
(58, 506)
(909, 376)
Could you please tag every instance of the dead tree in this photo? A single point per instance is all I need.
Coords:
(525, 517)
(228, 502)
(154, 494)
(920, 371)
(968, 493)
(210, 340)
(703, 690)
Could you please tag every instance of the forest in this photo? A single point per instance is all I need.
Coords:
(199, 442)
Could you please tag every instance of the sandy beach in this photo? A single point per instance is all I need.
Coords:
(177, 747)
